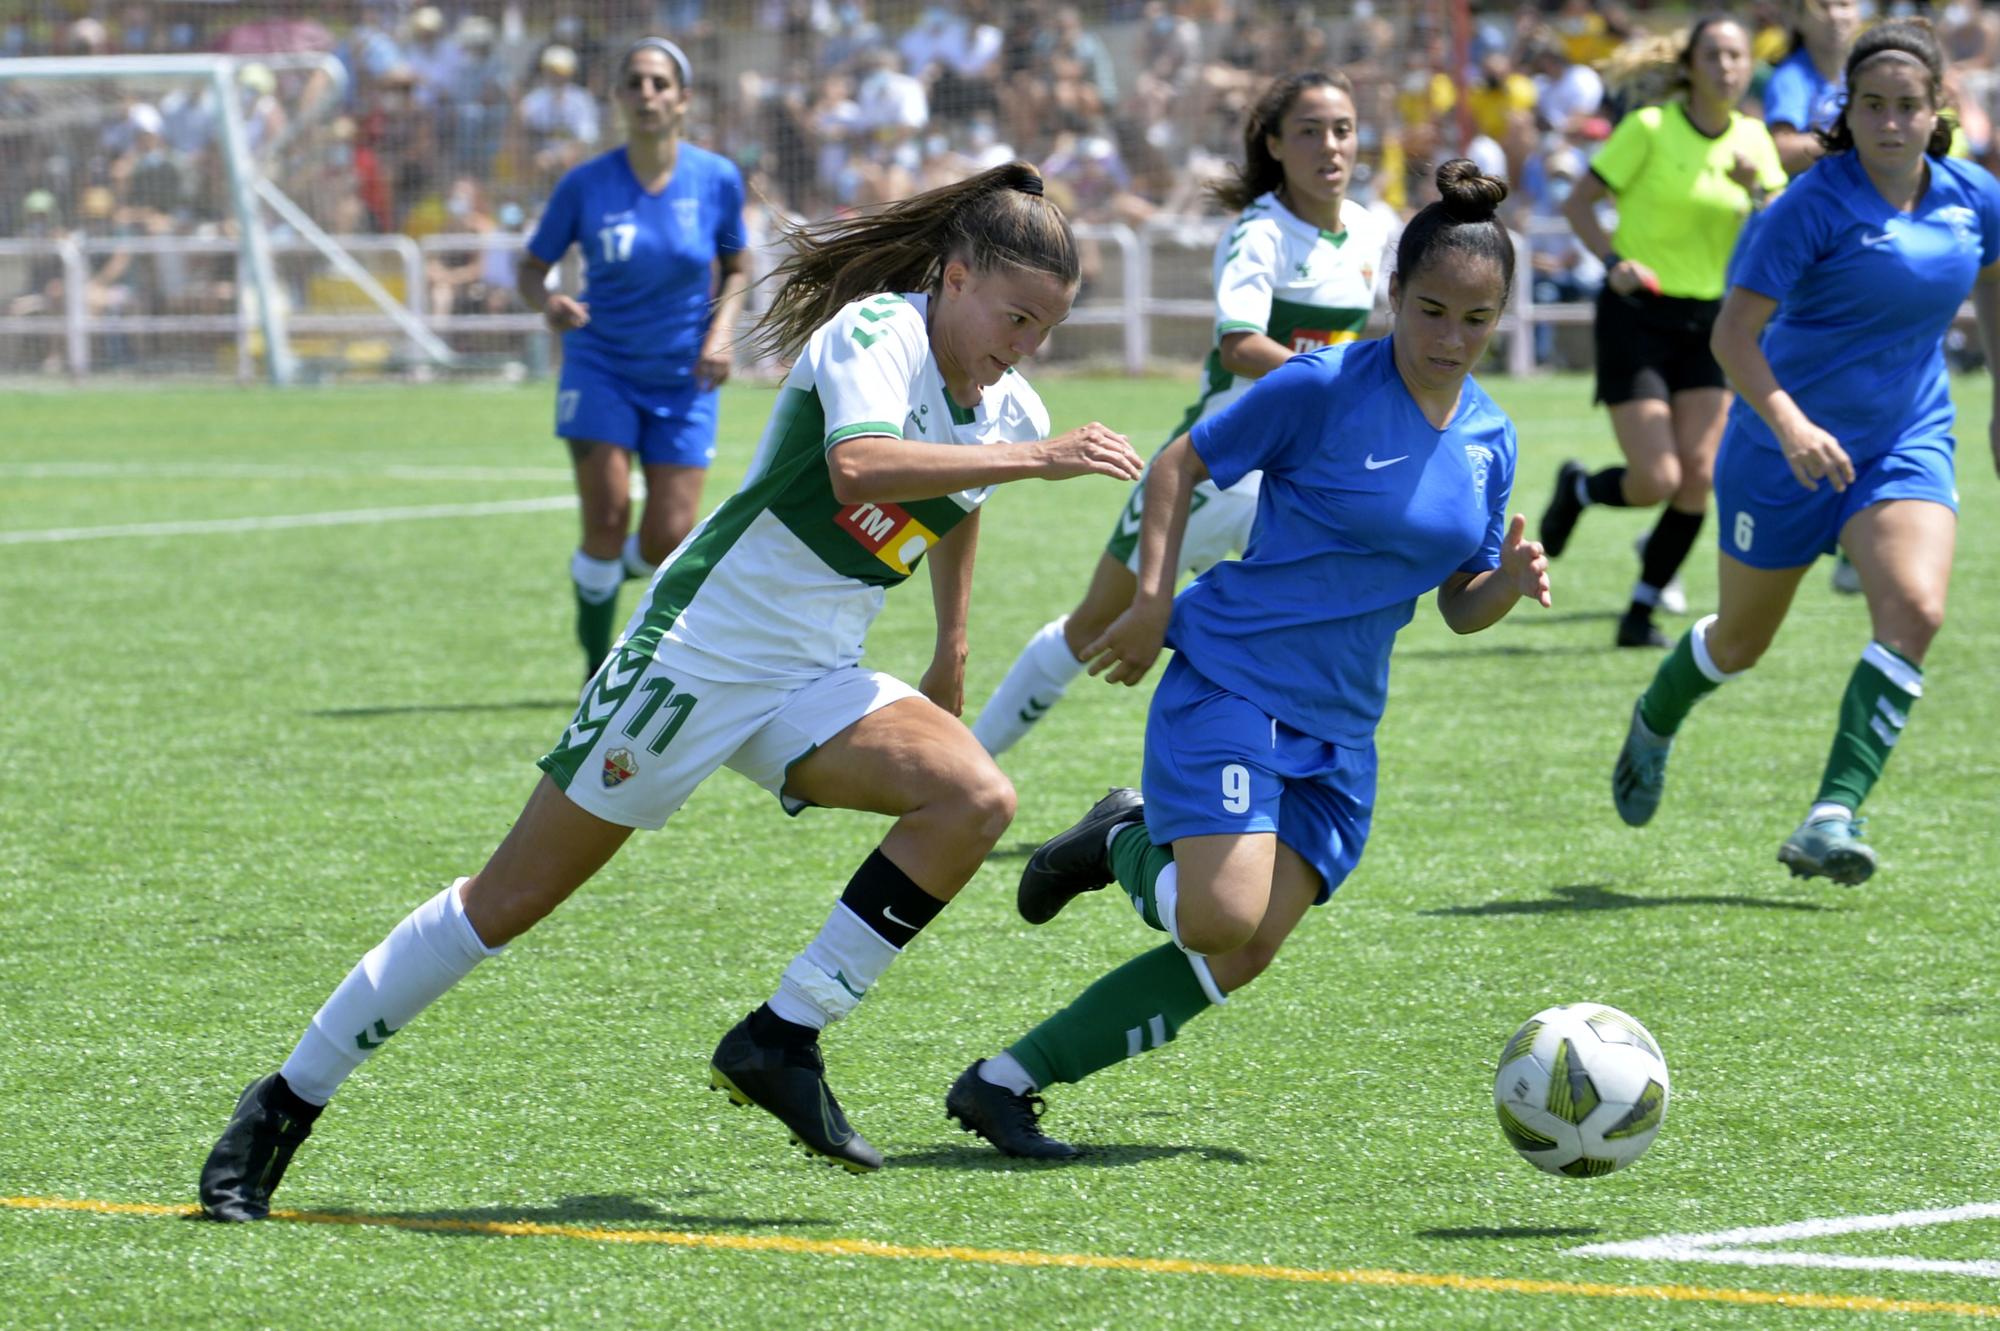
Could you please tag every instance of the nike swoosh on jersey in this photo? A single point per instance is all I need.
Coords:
(1876, 242)
(1373, 464)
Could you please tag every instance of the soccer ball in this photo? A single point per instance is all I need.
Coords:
(1581, 1090)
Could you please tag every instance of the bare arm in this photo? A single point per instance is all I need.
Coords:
(1580, 211)
(718, 349)
(1986, 304)
(874, 468)
(1797, 148)
(1126, 650)
(1811, 451)
(1470, 602)
(1251, 355)
(951, 599)
(561, 312)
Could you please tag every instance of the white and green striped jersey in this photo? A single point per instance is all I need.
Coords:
(780, 583)
(1302, 287)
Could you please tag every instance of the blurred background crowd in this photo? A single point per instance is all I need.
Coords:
(457, 118)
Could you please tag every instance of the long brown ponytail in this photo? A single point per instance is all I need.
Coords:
(996, 219)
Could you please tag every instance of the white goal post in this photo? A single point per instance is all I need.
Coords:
(248, 187)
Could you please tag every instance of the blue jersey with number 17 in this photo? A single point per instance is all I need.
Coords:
(646, 259)
(1365, 507)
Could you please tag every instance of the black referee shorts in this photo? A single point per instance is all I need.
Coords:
(1653, 346)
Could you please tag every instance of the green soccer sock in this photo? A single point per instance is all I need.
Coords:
(1880, 693)
(1139, 864)
(595, 582)
(1683, 679)
(1140, 1006)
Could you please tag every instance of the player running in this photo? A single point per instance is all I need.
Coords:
(1296, 272)
(902, 411)
(660, 226)
(1386, 474)
(1833, 334)
(1685, 174)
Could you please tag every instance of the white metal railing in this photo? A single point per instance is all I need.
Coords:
(1134, 305)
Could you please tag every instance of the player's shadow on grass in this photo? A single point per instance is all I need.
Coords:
(594, 1209)
(1574, 897)
(986, 1159)
(443, 708)
(1020, 850)
(1511, 1232)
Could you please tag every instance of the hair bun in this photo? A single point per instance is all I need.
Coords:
(1019, 175)
(1467, 193)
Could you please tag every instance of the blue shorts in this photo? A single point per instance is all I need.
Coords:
(671, 426)
(1216, 763)
(1769, 520)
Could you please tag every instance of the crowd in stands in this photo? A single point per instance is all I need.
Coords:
(459, 117)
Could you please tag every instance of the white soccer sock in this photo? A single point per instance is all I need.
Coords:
(426, 954)
(1035, 682)
(1829, 810)
(826, 981)
(1005, 1071)
(597, 580)
(635, 563)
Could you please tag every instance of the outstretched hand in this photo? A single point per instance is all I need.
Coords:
(1090, 450)
(1524, 562)
(562, 313)
(1125, 651)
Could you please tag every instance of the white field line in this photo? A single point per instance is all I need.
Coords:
(344, 518)
(1725, 1246)
(240, 471)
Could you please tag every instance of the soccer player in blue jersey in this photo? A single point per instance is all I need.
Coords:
(1833, 335)
(1804, 93)
(1296, 272)
(1387, 471)
(902, 410)
(659, 223)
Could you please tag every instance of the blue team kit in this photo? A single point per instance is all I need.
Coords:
(628, 374)
(1283, 666)
(1865, 294)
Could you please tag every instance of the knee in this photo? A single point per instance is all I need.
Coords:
(986, 805)
(1650, 482)
(1735, 649)
(1219, 929)
(1910, 627)
(1236, 969)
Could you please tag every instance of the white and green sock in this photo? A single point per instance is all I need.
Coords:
(635, 563)
(1884, 687)
(1036, 681)
(596, 583)
(432, 949)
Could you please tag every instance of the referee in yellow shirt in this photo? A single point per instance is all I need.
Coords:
(1686, 175)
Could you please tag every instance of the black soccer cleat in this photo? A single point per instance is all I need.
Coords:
(1559, 518)
(1007, 1120)
(788, 1081)
(250, 1157)
(1639, 631)
(1075, 861)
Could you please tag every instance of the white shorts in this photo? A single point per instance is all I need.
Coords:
(1218, 524)
(646, 735)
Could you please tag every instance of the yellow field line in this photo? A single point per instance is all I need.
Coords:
(1072, 1261)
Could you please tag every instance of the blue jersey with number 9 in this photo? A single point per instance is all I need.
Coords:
(647, 259)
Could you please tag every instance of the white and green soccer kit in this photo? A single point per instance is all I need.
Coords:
(1303, 288)
(745, 650)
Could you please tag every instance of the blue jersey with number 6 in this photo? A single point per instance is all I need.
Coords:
(647, 259)
(1865, 294)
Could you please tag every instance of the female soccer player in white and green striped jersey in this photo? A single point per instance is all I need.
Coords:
(1296, 273)
(901, 413)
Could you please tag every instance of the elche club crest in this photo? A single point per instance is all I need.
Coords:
(1480, 458)
(619, 767)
